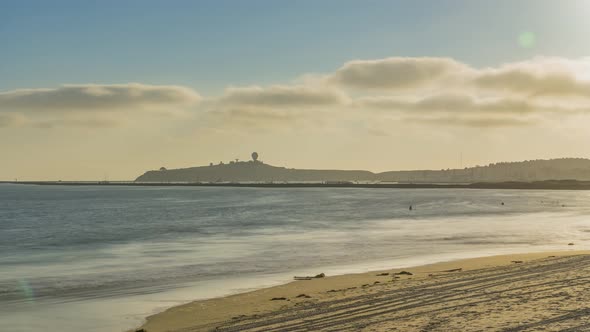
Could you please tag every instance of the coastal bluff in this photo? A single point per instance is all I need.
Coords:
(257, 171)
(251, 171)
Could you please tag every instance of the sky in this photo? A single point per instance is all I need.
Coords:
(109, 89)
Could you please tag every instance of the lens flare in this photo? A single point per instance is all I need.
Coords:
(27, 290)
(527, 39)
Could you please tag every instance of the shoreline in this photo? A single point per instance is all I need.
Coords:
(254, 309)
(513, 185)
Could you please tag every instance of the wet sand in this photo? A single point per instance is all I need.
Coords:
(547, 291)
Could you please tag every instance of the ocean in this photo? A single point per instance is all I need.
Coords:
(102, 258)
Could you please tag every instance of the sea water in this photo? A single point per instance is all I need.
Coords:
(102, 258)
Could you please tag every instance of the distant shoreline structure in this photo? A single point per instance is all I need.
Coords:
(255, 170)
(537, 185)
(564, 173)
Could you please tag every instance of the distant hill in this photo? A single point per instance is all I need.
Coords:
(251, 171)
(525, 171)
(255, 171)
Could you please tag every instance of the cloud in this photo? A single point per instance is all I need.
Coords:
(449, 92)
(540, 77)
(92, 105)
(459, 103)
(470, 121)
(275, 106)
(95, 97)
(427, 88)
(460, 109)
(535, 78)
(457, 93)
(282, 96)
(395, 73)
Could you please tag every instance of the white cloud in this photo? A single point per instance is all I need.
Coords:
(473, 121)
(95, 97)
(461, 103)
(92, 104)
(540, 77)
(515, 93)
(395, 73)
(432, 89)
(283, 96)
(459, 109)
(275, 106)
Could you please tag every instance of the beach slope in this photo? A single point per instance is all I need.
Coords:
(525, 292)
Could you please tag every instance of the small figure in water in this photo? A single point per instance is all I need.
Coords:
(502, 203)
(410, 208)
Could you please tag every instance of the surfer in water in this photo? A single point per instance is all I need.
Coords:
(411, 208)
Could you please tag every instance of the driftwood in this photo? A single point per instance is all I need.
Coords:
(321, 275)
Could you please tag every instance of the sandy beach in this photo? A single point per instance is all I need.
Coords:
(546, 291)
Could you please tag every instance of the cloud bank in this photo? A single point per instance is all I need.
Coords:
(395, 73)
(429, 90)
(280, 96)
(90, 104)
(540, 78)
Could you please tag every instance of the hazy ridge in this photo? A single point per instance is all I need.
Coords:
(255, 171)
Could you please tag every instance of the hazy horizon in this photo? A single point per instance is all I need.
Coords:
(110, 90)
(460, 166)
